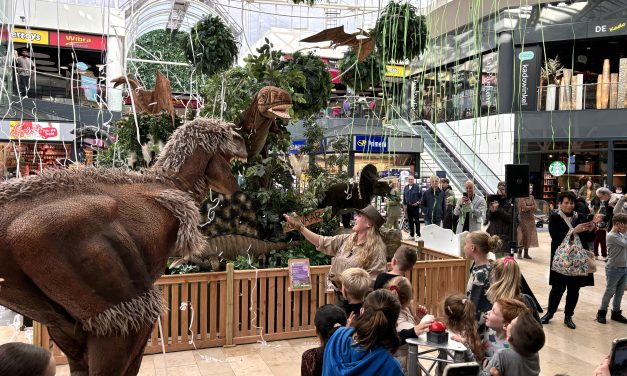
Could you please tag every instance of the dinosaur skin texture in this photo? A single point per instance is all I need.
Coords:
(80, 250)
(150, 101)
(259, 119)
(230, 246)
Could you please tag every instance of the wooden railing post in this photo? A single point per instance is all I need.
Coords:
(421, 246)
(230, 268)
(37, 335)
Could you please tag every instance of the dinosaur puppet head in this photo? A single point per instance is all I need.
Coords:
(268, 104)
(273, 102)
(206, 142)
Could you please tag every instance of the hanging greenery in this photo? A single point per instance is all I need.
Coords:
(361, 76)
(161, 45)
(308, 2)
(400, 33)
(212, 47)
(317, 86)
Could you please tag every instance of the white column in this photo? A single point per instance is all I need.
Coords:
(115, 68)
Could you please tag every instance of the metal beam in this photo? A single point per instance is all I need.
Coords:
(339, 6)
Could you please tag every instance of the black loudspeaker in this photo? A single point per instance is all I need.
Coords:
(517, 180)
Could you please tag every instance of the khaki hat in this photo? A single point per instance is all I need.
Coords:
(372, 214)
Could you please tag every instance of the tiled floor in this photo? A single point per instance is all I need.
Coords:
(572, 352)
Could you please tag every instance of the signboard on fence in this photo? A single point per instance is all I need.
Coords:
(300, 276)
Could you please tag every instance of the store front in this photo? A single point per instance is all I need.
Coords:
(67, 65)
(34, 146)
(602, 162)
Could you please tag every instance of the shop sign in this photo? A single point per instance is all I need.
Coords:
(370, 144)
(394, 71)
(296, 145)
(557, 168)
(74, 40)
(29, 36)
(527, 76)
(607, 28)
(35, 131)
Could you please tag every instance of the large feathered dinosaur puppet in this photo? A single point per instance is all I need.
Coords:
(259, 119)
(149, 101)
(346, 197)
(80, 250)
(231, 221)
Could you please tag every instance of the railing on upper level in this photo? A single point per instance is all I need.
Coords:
(580, 97)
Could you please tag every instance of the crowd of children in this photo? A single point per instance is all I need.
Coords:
(366, 333)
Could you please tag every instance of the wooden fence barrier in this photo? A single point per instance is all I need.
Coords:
(245, 306)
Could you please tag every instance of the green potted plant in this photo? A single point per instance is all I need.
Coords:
(400, 33)
(212, 47)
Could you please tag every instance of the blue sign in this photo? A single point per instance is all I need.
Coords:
(370, 144)
(296, 145)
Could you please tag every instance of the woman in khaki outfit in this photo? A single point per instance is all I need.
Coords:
(527, 233)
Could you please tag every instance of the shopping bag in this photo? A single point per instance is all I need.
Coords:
(571, 258)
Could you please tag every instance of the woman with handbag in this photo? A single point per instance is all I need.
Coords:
(565, 280)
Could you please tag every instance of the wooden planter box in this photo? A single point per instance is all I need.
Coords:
(236, 307)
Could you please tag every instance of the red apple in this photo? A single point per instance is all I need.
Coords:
(437, 326)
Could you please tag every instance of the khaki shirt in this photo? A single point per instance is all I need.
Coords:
(344, 258)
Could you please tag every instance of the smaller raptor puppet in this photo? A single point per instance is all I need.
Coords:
(150, 101)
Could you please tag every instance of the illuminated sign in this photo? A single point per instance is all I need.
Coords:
(394, 71)
(31, 130)
(370, 144)
(85, 41)
(29, 36)
(608, 28)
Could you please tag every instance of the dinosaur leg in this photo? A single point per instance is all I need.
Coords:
(72, 341)
(18, 293)
(117, 355)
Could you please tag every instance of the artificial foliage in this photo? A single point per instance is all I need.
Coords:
(361, 76)
(212, 47)
(153, 129)
(161, 45)
(308, 2)
(400, 33)
(315, 90)
(238, 88)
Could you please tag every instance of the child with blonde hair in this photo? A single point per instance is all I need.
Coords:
(477, 245)
(505, 282)
(355, 286)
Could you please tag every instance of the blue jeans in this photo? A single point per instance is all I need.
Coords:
(616, 280)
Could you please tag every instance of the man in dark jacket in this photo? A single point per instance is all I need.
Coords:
(411, 199)
(448, 219)
(433, 203)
